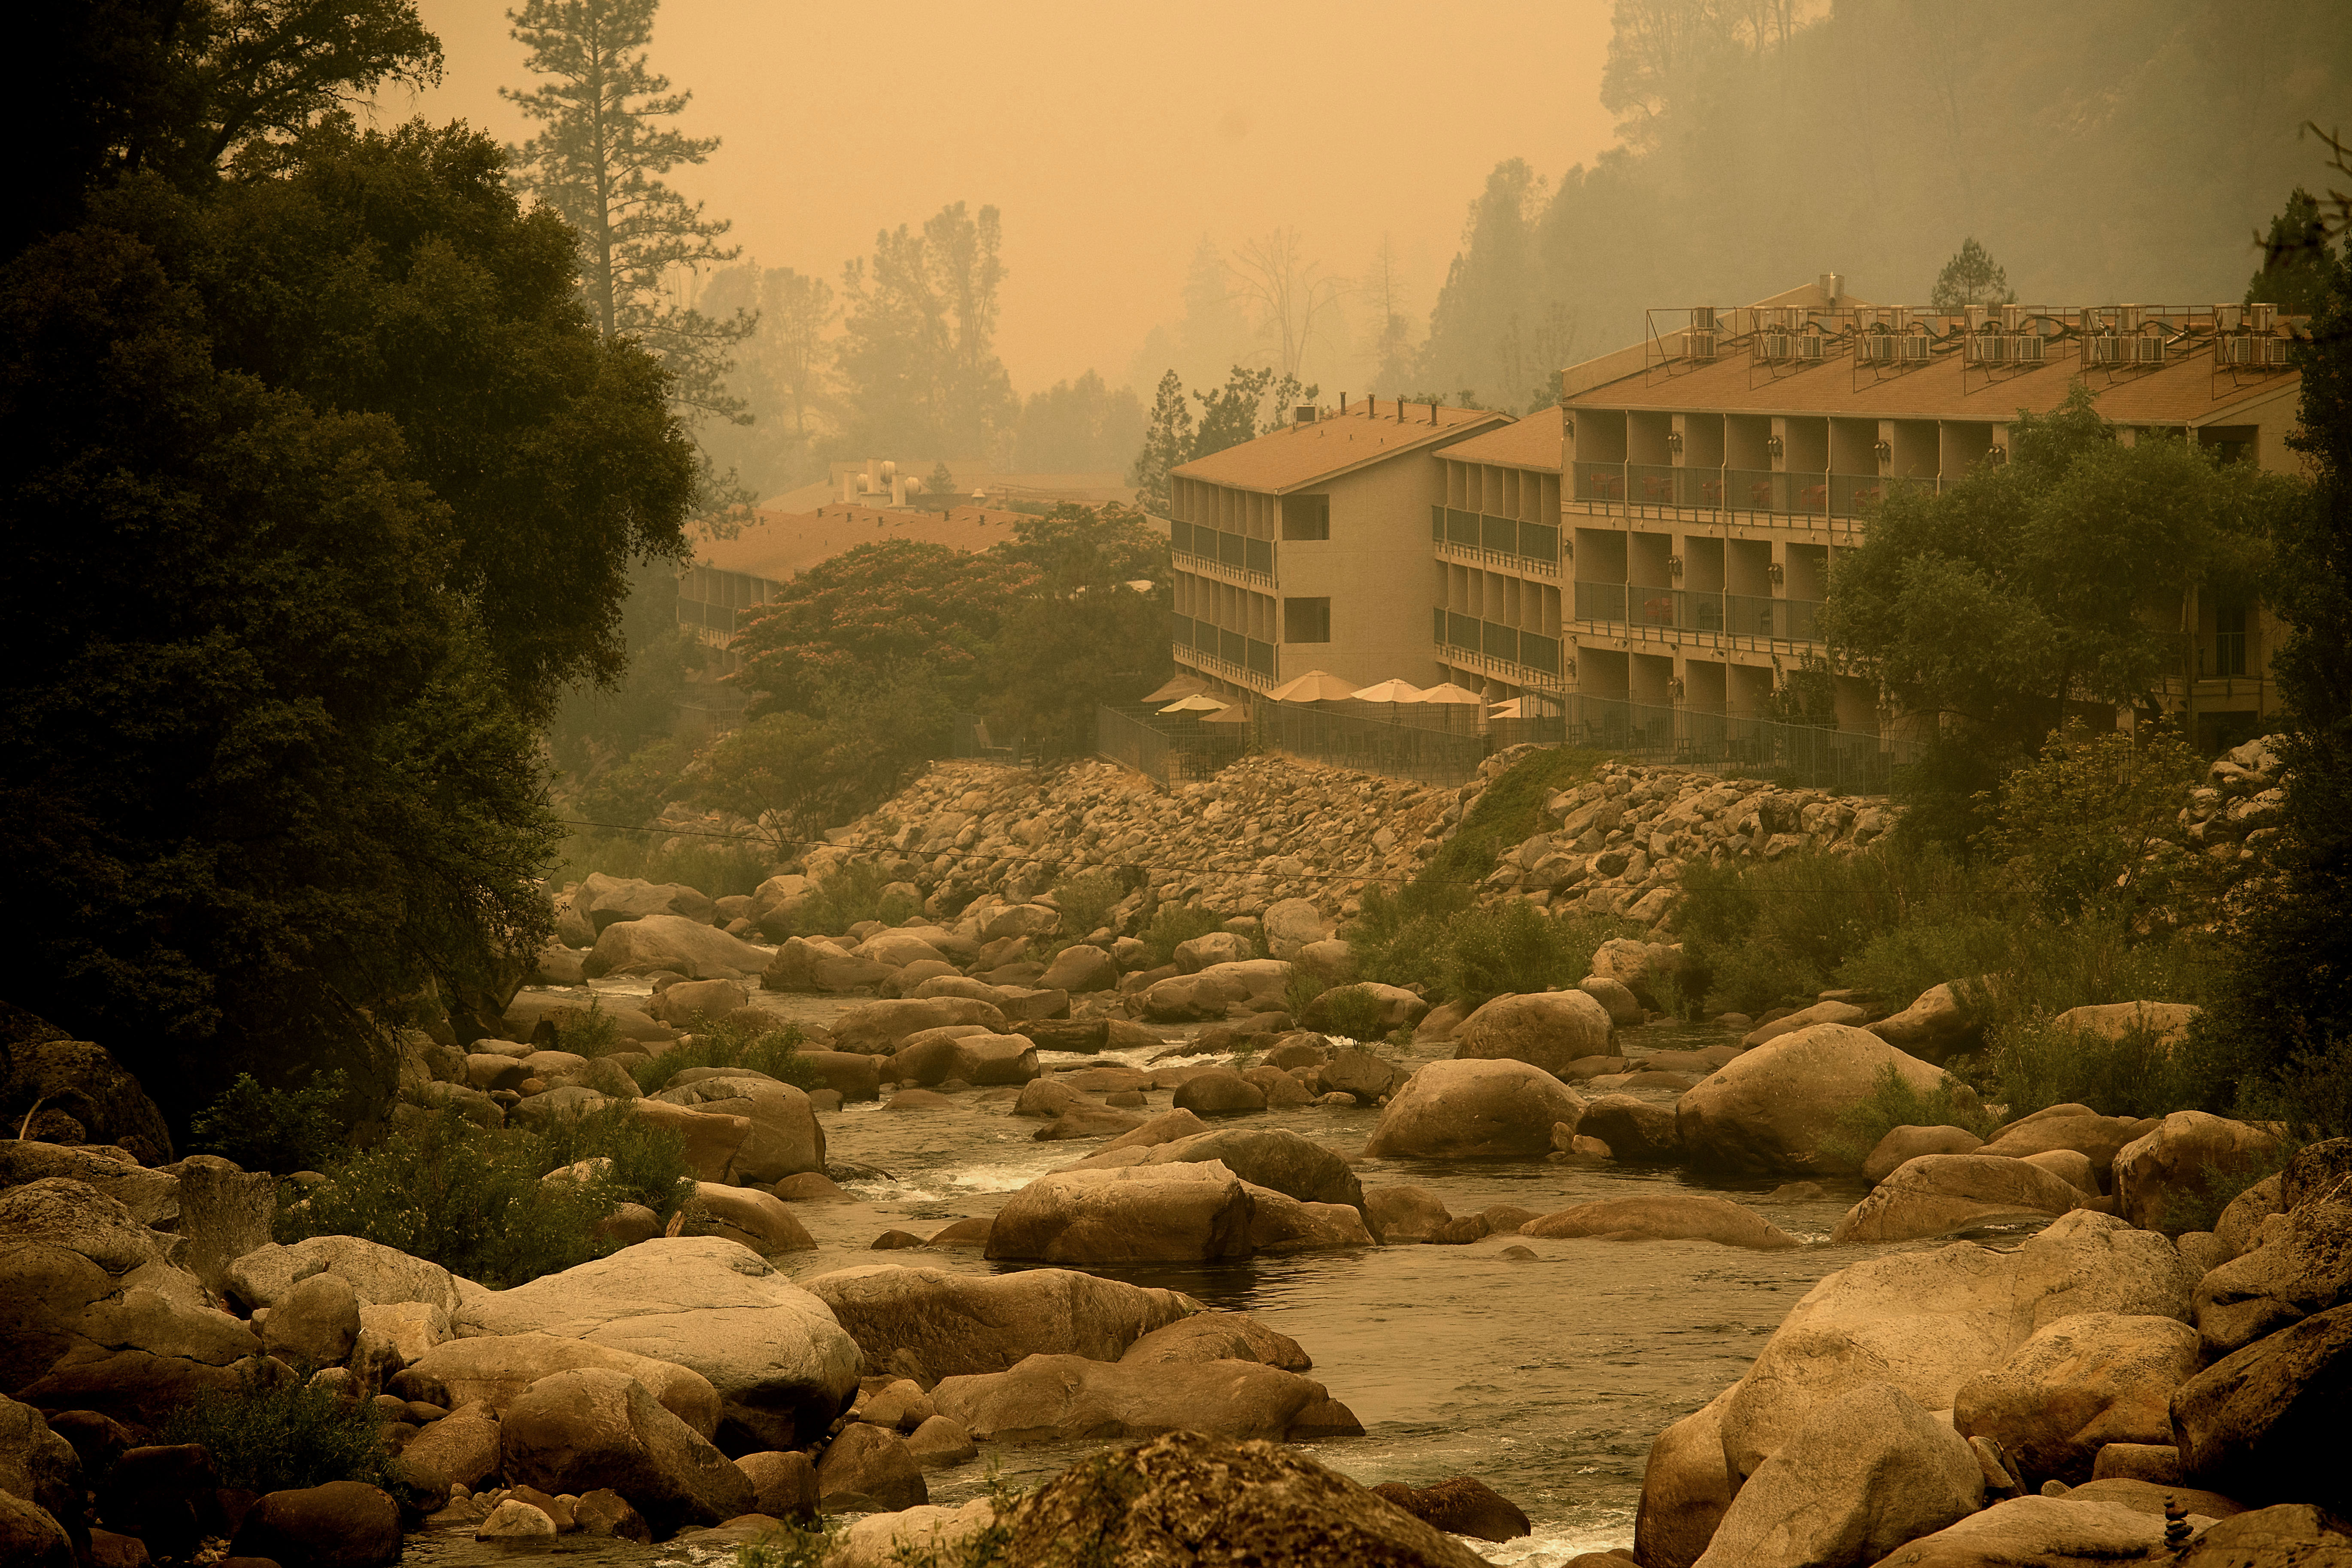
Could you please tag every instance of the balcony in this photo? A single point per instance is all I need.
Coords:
(1644, 488)
(1669, 612)
(1481, 539)
(1209, 646)
(1234, 555)
(1505, 650)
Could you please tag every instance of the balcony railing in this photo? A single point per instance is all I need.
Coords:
(1211, 640)
(1492, 640)
(1513, 540)
(1784, 492)
(1699, 611)
(1238, 551)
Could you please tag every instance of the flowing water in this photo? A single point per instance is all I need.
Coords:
(1545, 1377)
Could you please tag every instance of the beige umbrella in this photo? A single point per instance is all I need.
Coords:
(1178, 686)
(1507, 710)
(1314, 687)
(1199, 702)
(1389, 691)
(1450, 692)
(1238, 713)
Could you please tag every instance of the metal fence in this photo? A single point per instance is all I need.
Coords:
(1438, 744)
(1168, 748)
(1659, 732)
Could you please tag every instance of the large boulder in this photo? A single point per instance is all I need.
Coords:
(1636, 1131)
(98, 1317)
(1665, 1217)
(2076, 1386)
(1475, 1109)
(867, 1470)
(152, 1197)
(781, 1138)
(1194, 1498)
(1904, 1144)
(342, 1525)
(2164, 1180)
(495, 1369)
(1544, 1029)
(2078, 1127)
(1831, 1012)
(2166, 1023)
(607, 900)
(462, 1446)
(1939, 1025)
(1218, 1091)
(1169, 1214)
(1060, 1398)
(759, 1219)
(672, 942)
(880, 1029)
(378, 1275)
(1928, 1322)
(2301, 1264)
(808, 966)
(1772, 1108)
(1293, 925)
(1219, 1337)
(684, 1004)
(316, 1325)
(595, 1427)
(1866, 1472)
(1685, 1489)
(1078, 968)
(2265, 1424)
(2047, 1532)
(1394, 1007)
(1272, 1157)
(225, 1212)
(929, 1324)
(1217, 947)
(1184, 999)
(39, 1466)
(782, 1366)
(79, 1079)
(1935, 1194)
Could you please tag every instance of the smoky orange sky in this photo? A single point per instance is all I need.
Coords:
(1111, 136)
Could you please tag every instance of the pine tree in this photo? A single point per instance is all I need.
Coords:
(1166, 441)
(604, 144)
(1971, 277)
(2296, 259)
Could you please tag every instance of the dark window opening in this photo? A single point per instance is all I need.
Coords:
(2229, 639)
(1306, 517)
(1307, 620)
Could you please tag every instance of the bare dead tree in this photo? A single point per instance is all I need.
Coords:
(1289, 289)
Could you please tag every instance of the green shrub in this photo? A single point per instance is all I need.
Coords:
(854, 892)
(586, 1032)
(790, 1546)
(287, 1435)
(1300, 993)
(2188, 1209)
(281, 1130)
(647, 1163)
(1173, 925)
(1893, 1103)
(718, 867)
(459, 1195)
(2032, 1063)
(1397, 939)
(1086, 903)
(1472, 955)
(772, 1050)
(1352, 1011)
(1510, 810)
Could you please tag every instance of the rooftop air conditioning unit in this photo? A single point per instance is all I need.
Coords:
(1873, 349)
(1698, 343)
(2106, 349)
(2012, 319)
(2261, 318)
(1772, 347)
(1703, 318)
(2225, 318)
(1913, 350)
(2146, 350)
(1813, 346)
(2127, 318)
(2235, 351)
(1988, 349)
(1976, 317)
(2025, 349)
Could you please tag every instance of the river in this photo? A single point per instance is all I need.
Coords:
(1545, 1377)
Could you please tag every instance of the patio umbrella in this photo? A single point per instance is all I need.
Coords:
(1314, 687)
(1238, 713)
(1199, 702)
(1389, 691)
(1177, 686)
(1450, 692)
(1507, 710)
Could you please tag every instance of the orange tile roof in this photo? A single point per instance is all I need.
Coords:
(1530, 442)
(2185, 391)
(779, 546)
(1334, 444)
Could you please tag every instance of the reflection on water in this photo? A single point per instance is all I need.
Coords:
(1546, 1377)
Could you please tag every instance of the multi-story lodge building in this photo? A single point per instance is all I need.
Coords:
(1663, 538)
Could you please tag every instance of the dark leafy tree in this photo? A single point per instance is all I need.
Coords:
(2296, 259)
(917, 362)
(1166, 441)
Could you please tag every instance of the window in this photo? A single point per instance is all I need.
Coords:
(1306, 517)
(2230, 639)
(1306, 619)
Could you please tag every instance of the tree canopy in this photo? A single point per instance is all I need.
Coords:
(916, 360)
(324, 484)
(2296, 259)
(1971, 277)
